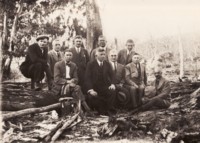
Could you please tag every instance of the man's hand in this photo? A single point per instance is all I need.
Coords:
(72, 84)
(92, 92)
(111, 87)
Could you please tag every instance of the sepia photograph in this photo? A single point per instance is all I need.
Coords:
(100, 71)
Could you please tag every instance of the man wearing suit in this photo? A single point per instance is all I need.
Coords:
(136, 79)
(35, 64)
(80, 58)
(54, 55)
(99, 81)
(66, 79)
(123, 96)
(103, 46)
(125, 55)
(159, 95)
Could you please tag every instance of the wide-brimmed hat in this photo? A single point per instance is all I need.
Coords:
(42, 37)
(121, 96)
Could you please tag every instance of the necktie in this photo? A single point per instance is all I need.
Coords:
(115, 67)
(78, 50)
(58, 55)
(101, 64)
(68, 64)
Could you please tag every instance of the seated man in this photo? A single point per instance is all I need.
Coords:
(35, 64)
(123, 96)
(159, 96)
(66, 79)
(99, 83)
(135, 76)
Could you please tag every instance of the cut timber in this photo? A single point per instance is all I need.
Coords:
(64, 127)
(30, 111)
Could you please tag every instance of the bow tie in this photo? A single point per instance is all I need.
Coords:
(68, 64)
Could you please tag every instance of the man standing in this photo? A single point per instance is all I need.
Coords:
(99, 81)
(102, 45)
(54, 55)
(125, 55)
(35, 64)
(123, 96)
(136, 79)
(66, 79)
(80, 58)
(159, 96)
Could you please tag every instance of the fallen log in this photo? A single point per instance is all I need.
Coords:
(53, 131)
(64, 127)
(29, 111)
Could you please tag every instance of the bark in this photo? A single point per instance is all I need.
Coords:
(29, 111)
(64, 127)
(94, 26)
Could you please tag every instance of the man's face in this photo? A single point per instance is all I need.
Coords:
(130, 46)
(42, 43)
(113, 57)
(57, 46)
(102, 42)
(136, 59)
(68, 56)
(101, 56)
(158, 74)
(78, 42)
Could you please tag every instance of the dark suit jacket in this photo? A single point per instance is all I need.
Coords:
(132, 75)
(163, 88)
(123, 57)
(53, 59)
(93, 57)
(60, 72)
(34, 55)
(92, 72)
(80, 59)
(120, 74)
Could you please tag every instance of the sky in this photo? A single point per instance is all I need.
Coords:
(142, 19)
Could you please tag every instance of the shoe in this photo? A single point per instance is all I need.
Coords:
(38, 86)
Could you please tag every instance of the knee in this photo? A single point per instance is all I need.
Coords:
(38, 65)
(133, 88)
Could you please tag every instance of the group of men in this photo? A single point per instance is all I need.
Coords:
(103, 81)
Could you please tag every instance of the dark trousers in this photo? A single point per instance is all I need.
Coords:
(136, 95)
(104, 101)
(37, 70)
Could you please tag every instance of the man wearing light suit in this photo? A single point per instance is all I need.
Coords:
(125, 55)
(136, 79)
(80, 58)
(54, 55)
(123, 96)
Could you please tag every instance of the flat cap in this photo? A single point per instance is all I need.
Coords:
(42, 37)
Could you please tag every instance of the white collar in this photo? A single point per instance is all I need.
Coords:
(99, 62)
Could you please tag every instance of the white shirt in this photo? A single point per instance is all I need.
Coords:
(114, 65)
(67, 72)
(78, 49)
(99, 62)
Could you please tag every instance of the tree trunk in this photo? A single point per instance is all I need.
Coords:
(29, 111)
(181, 58)
(94, 27)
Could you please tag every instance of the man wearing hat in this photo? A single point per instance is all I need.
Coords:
(123, 96)
(125, 55)
(35, 64)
